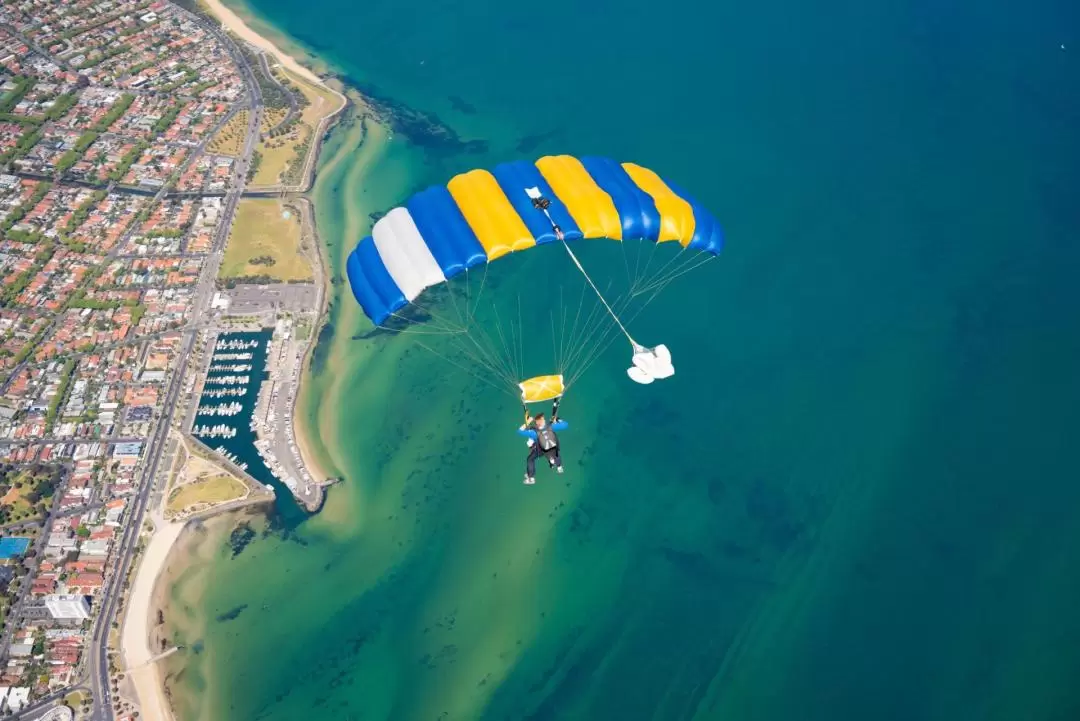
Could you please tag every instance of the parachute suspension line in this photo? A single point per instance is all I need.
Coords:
(521, 341)
(642, 271)
(507, 356)
(497, 362)
(560, 359)
(583, 334)
(555, 347)
(468, 297)
(597, 325)
(480, 356)
(480, 294)
(476, 346)
(600, 295)
(604, 333)
(567, 334)
(626, 263)
(570, 348)
(688, 265)
(488, 358)
(660, 274)
(502, 336)
(637, 263)
(598, 348)
(466, 369)
(463, 320)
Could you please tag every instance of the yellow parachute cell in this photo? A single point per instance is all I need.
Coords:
(541, 388)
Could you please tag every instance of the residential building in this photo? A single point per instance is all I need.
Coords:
(68, 606)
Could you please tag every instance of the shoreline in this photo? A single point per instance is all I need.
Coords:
(236, 25)
(301, 429)
(151, 583)
(139, 657)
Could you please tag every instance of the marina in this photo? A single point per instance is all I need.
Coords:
(224, 419)
(223, 393)
(235, 367)
(222, 409)
(220, 430)
(244, 411)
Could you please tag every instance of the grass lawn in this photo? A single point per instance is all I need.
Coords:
(261, 231)
(230, 139)
(11, 497)
(18, 507)
(321, 102)
(271, 117)
(278, 153)
(303, 330)
(213, 489)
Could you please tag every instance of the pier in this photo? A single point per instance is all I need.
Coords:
(273, 418)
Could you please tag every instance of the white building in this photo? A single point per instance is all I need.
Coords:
(67, 606)
(18, 697)
(220, 301)
(99, 547)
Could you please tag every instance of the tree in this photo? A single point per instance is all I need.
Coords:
(82, 532)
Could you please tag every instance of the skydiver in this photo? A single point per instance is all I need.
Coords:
(542, 441)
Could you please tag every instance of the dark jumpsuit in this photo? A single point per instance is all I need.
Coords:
(535, 451)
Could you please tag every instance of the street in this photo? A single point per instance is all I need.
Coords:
(99, 648)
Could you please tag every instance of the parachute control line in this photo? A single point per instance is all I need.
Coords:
(649, 364)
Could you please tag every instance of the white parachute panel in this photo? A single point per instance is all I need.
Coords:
(404, 253)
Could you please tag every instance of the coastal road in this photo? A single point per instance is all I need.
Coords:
(101, 709)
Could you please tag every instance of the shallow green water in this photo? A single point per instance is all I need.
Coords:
(857, 497)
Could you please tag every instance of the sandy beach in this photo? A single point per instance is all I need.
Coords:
(135, 636)
(139, 646)
(238, 27)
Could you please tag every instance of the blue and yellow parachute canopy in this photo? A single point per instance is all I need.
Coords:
(480, 216)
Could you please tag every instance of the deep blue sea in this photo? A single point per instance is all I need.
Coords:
(859, 496)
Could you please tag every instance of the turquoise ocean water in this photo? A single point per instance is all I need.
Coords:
(858, 496)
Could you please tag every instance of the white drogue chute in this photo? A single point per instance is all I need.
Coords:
(650, 364)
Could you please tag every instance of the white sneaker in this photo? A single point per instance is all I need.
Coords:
(529, 480)
(559, 469)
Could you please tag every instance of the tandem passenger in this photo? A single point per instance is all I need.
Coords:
(542, 441)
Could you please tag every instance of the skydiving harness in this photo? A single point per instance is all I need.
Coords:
(648, 364)
(546, 438)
